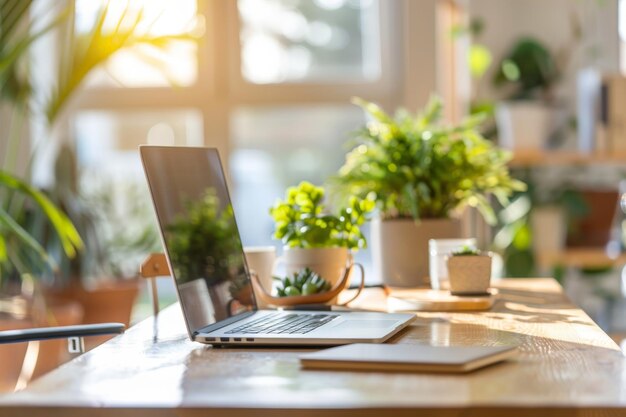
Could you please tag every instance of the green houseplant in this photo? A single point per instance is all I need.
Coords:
(526, 75)
(421, 173)
(315, 239)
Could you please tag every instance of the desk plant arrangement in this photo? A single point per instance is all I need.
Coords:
(316, 239)
(421, 174)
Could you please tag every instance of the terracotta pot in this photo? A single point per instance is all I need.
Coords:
(53, 353)
(12, 354)
(110, 302)
(400, 248)
(49, 354)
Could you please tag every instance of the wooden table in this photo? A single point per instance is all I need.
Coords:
(567, 366)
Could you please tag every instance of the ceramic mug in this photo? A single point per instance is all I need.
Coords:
(332, 264)
(261, 261)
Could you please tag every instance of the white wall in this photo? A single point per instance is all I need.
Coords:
(550, 21)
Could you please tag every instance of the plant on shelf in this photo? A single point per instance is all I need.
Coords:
(316, 239)
(529, 114)
(528, 70)
(421, 173)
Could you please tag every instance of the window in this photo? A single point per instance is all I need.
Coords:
(320, 40)
(267, 82)
(143, 66)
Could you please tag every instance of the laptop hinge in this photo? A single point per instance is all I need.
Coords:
(226, 322)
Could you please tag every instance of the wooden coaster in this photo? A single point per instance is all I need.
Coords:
(434, 300)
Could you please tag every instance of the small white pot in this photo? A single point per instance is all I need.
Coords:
(469, 274)
(525, 125)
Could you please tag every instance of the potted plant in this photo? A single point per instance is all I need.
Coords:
(421, 174)
(527, 74)
(315, 239)
(469, 271)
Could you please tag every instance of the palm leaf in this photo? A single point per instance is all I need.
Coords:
(10, 227)
(14, 46)
(91, 50)
(70, 239)
(3, 249)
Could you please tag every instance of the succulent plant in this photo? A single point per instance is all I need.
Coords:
(304, 282)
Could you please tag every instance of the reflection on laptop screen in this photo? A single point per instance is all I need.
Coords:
(200, 234)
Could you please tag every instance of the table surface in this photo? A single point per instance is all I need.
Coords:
(567, 366)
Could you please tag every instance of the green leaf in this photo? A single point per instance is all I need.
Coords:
(64, 228)
(11, 227)
(479, 60)
(3, 249)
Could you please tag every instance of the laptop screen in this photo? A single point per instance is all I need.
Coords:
(199, 232)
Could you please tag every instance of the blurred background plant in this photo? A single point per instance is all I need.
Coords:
(27, 245)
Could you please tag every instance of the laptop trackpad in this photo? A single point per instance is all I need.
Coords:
(365, 324)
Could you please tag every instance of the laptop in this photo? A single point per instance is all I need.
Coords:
(205, 254)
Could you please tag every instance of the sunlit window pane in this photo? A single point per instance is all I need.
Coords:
(141, 65)
(309, 41)
(107, 141)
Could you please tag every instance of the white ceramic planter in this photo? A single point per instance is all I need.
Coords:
(400, 248)
(470, 274)
(329, 263)
(525, 125)
(549, 229)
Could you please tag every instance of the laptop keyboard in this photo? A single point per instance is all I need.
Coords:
(293, 323)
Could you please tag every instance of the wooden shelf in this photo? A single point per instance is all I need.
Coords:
(580, 258)
(522, 159)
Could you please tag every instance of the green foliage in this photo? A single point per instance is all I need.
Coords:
(19, 251)
(479, 60)
(305, 282)
(417, 167)
(25, 235)
(529, 68)
(205, 228)
(84, 52)
(467, 251)
(301, 220)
